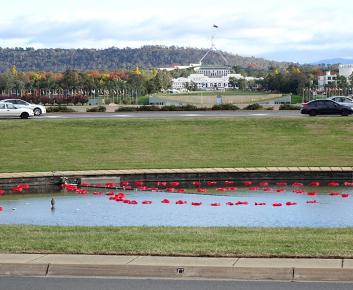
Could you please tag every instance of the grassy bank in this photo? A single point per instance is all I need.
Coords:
(39, 145)
(249, 242)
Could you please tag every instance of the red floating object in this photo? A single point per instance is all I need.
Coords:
(299, 191)
(211, 182)
(181, 202)
(229, 203)
(241, 203)
(84, 184)
(281, 183)
(215, 204)
(174, 183)
(162, 183)
(297, 184)
(260, 203)
(280, 190)
(109, 193)
(2, 192)
(181, 190)
(333, 184)
(133, 202)
(228, 182)
(170, 189)
(267, 189)
(97, 193)
(147, 202)
(312, 201)
(314, 183)
(254, 188)
(124, 183)
(289, 203)
(345, 195)
(247, 182)
(110, 185)
(201, 190)
(196, 203)
(221, 189)
(1, 208)
(138, 183)
(334, 194)
(348, 184)
(196, 183)
(263, 183)
(313, 193)
(165, 201)
(277, 204)
(232, 188)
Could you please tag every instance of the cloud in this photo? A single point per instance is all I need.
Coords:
(272, 28)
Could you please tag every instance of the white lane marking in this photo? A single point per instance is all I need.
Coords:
(259, 114)
(122, 116)
(190, 115)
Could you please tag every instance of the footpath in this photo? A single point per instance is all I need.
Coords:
(41, 265)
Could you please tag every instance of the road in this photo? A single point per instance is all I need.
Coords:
(24, 283)
(147, 115)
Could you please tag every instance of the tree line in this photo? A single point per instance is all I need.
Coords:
(59, 60)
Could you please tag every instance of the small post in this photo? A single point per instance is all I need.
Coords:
(52, 202)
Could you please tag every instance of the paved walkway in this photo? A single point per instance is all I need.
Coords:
(171, 171)
(176, 267)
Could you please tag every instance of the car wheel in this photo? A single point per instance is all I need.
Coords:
(37, 112)
(24, 115)
(312, 113)
(345, 112)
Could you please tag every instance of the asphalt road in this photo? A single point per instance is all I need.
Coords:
(147, 115)
(24, 283)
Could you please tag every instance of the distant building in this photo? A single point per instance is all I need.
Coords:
(209, 78)
(326, 79)
(345, 70)
(214, 71)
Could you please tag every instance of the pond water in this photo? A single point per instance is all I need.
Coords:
(98, 210)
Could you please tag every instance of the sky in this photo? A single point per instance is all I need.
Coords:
(301, 31)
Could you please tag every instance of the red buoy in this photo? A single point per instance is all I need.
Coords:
(196, 203)
(277, 204)
(247, 182)
(260, 203)
(289, 203)
(165, 201)
(181, 202)
(228, 182)
(281, 183)
(263, 183)
(312, 201)
(215, 204)
(229, 203)
(147, 202)
(345, 195)
(313, 193)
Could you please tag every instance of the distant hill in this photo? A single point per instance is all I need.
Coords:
(334, 61)
(28, 59)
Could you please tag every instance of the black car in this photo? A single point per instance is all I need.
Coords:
(325, 107)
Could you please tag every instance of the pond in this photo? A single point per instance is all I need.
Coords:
(73, 209)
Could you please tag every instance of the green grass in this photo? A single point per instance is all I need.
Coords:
(240, 242)
(39, 145)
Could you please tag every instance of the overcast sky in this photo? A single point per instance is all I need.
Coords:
(292, 30)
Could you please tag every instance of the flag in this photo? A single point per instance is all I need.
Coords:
(215, 26)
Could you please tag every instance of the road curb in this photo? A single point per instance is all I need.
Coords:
(203, 272)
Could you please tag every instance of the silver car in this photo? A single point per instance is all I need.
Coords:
(342, 100)
(37, 109)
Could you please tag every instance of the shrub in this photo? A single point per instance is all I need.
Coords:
(288, 107)
(225, 107)
(96, 109)
(269, 109)
(62, 109)
(255, 106)
(148, 108)
(126, 109)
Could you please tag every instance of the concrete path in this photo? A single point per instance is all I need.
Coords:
(176, 267)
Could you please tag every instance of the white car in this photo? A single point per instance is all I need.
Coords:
(37, 109)
(342, 100)
(10, 110)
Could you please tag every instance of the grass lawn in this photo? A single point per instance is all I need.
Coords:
(40, 145)
(240, 242)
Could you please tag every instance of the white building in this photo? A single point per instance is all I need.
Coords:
(209, 78)
(345, 70)
(326, 79)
